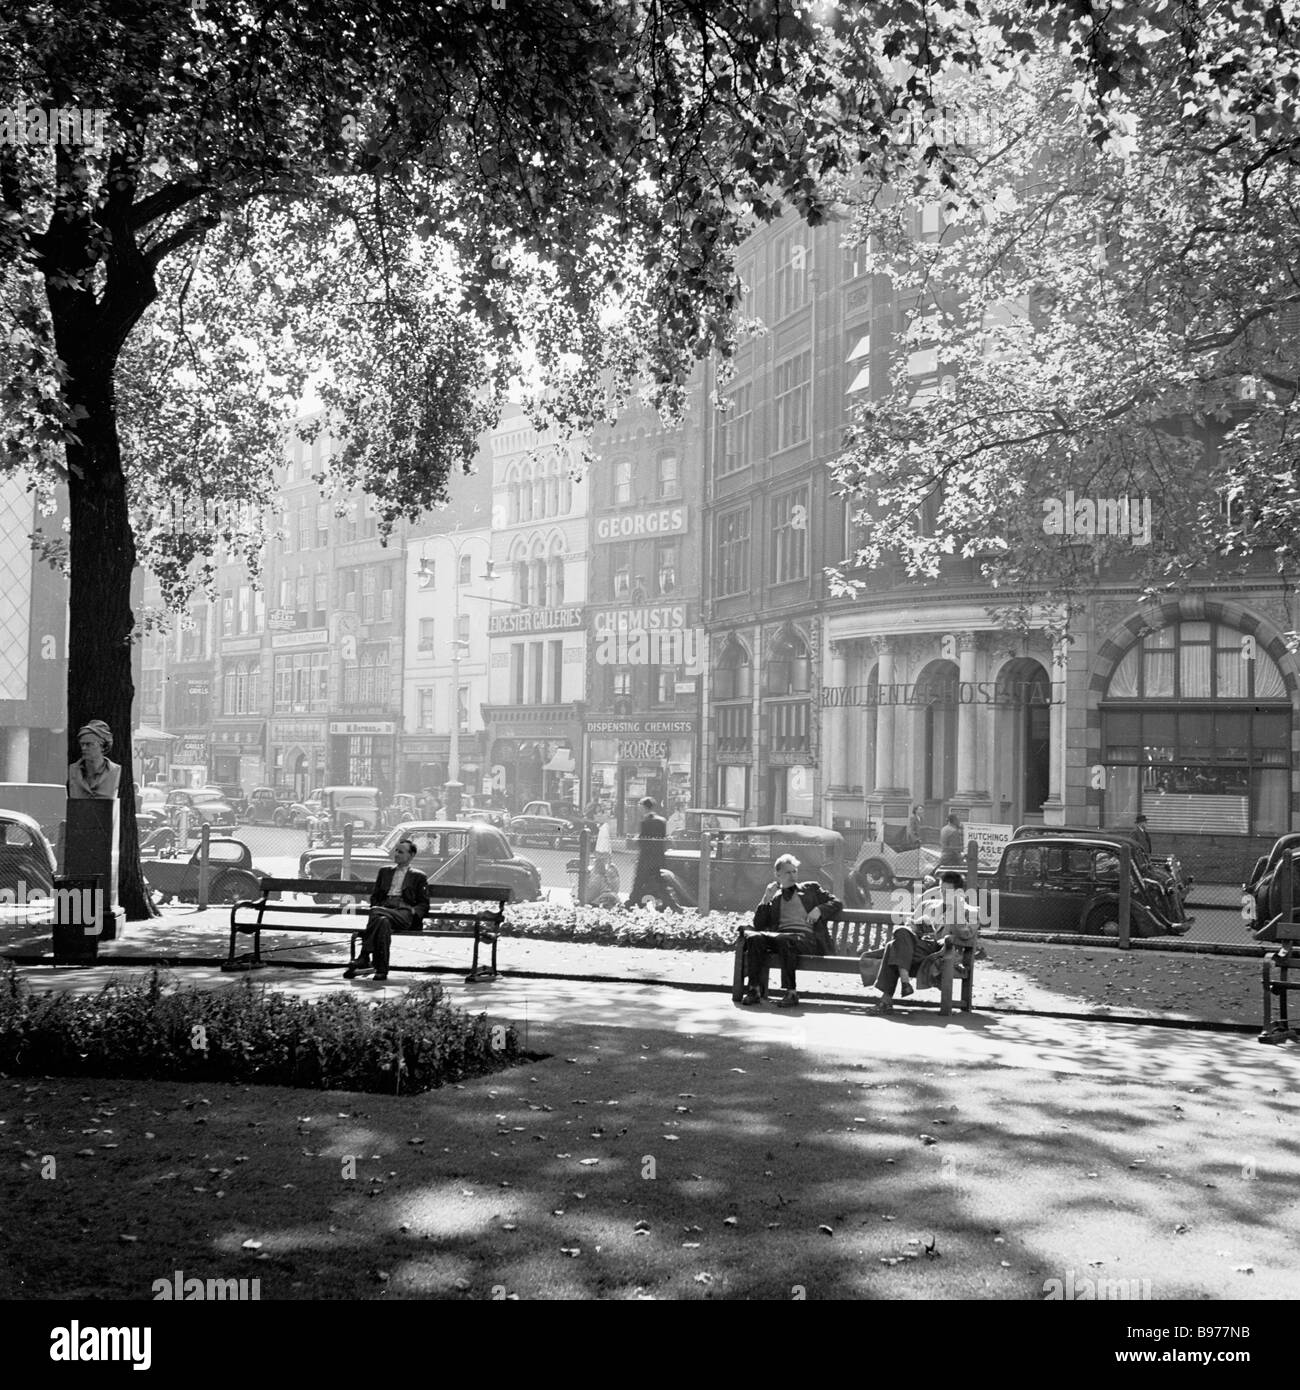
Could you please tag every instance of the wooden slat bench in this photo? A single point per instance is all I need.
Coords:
(351, 900)
(855, 931)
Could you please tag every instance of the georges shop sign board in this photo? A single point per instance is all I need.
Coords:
(629, 526)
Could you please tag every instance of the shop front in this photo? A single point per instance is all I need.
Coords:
(532, 755)
(239, 753)
(632, 758)
(426, 762)
(297, 755)
(362, 753)
(190, 760)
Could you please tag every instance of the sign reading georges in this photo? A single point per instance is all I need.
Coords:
(626, 526)
(642, 750)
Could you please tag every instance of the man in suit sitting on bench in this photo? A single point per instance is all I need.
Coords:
(399, 901)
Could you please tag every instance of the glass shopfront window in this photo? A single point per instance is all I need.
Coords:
(1196, 734)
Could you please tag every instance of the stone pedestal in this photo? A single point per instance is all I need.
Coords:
(91, 847)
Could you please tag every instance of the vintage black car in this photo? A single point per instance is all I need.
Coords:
(156, 834)
(442, 854)
(1070, 885)
(205, 807)
(232, 875)
(1261, 894)
(741, 866)
(266, 806)
(1166, 870)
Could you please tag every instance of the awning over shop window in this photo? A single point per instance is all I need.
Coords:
(562, 761)
(146, 734)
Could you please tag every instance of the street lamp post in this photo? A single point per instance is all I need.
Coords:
(454, 791)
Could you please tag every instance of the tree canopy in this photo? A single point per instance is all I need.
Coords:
(1111, 320)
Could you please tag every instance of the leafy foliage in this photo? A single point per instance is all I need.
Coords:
(640, 926)
(248, 1035)
(1115, 320)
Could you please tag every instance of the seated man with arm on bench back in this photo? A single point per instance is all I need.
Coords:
(399, 901)
(790, 921)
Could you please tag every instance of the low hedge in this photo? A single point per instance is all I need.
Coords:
(639, 926)
(244, 1033)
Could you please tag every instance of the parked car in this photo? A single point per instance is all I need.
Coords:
(26, 856)
(1166, 871)
(487, 815)
(1261, 894)
(266, 806)
(205, 808)
(344, 805)
(155, 832)
(741, 865)
(302, 813)
(442, 854)
(564, 811)
(700, 819)
(549, 832)
(1070, 884)
(232, 792)
(401, 808)
(232, 875)
(881, 861)
(151, 798)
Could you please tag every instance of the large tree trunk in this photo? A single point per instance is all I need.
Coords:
(89, 331)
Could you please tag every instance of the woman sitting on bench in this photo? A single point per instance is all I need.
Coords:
(398, 903)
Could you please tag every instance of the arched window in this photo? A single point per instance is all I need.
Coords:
(788, 671)
(553, 490)
(539, 495)
(541, 584)
(512, 489)
(566, 494)
(523, 586)
(1196, 734)
(733, 679)
(622, 482)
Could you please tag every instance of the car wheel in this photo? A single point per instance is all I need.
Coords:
(1102, 921)
(875, 873)
(236, 886)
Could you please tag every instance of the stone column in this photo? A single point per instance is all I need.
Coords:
(836, 724)
(970, 794)
(1054, 806)
(885, 712)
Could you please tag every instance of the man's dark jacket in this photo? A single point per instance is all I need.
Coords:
(415, 890)
(767, 916)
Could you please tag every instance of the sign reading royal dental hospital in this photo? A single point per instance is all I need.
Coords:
(626, 526)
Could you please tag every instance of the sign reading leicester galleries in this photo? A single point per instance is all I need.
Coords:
(528, 620)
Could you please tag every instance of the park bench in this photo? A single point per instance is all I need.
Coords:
(350, 900)
(855, 931)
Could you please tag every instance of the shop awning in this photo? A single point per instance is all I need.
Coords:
(561, 761)
(146, 734)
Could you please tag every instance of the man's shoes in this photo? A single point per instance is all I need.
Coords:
(381, 974)
(750, 996)
(789, 1000)
(905, 988)
(883, 1005)
(358, 967)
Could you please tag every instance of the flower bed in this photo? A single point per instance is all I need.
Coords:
(412, 1043)
(641, 926)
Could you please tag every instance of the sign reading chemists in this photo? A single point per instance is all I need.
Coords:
(647, 636)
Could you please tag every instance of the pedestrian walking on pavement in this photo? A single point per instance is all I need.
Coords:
(652, 845)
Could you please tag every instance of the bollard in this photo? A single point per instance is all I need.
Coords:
(706, 869)
(345, 869)
(1125, 895)
(972, 864)
(205, 836)
(584, 846)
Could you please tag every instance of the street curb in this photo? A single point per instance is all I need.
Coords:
(1191, 1025)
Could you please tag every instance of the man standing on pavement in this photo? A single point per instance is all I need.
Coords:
(952, 849)
(650, 853)
(1143, 834)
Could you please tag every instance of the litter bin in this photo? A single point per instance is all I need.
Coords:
(78, 912)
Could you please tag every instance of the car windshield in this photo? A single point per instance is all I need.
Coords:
(203, 798)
